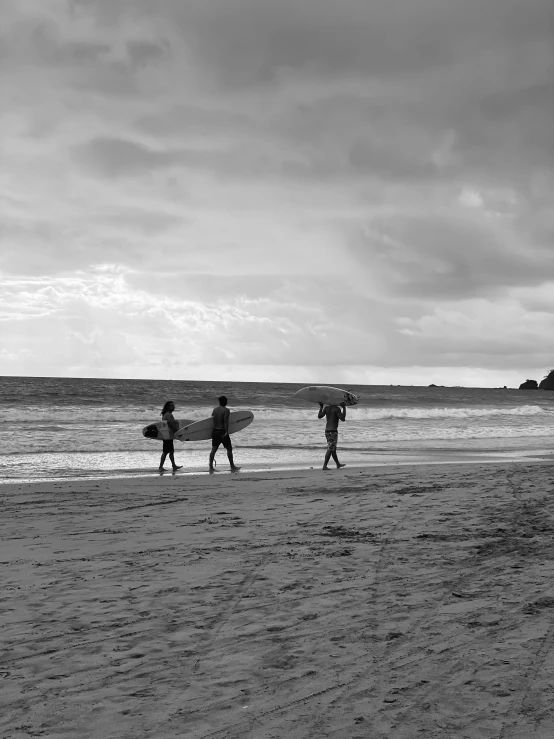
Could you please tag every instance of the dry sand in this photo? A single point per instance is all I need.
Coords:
(384, 603)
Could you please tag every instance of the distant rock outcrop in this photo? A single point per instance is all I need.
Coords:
(548, 382)
(529, 385)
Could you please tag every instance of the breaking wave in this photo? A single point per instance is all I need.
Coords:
(76, 415)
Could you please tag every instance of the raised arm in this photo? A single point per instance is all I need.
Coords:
(321, 413)
(342, 416)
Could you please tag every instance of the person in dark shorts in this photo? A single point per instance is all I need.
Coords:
(333, 414)
(220, 434)
(168, 448)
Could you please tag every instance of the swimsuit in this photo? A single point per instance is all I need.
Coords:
(332, 438)
(220, 437)
(168, 447)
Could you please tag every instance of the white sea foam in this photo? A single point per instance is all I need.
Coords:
(445, 412)
(80, 415)
(74, 421)
(375, 414)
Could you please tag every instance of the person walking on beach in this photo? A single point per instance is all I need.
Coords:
(220, 433)
(168, 448)
(333, 414)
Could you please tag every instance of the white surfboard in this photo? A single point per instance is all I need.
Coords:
(202, 430)
(161, 430)
(326, 395)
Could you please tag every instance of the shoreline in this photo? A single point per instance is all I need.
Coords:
(390, 460)
(391, 602)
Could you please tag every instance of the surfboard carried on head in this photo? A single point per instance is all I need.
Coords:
(161, 430)
(202, 430)
(326, 395)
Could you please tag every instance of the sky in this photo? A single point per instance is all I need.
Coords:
(326, 191)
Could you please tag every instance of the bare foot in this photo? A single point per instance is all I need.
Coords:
(161, 469)
(235, 469)
(325, 468)
(340, 465)
(211, 471)
(180, 467)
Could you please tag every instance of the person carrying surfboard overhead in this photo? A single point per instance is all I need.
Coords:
(220, 433)
(168, 448)
(333, 414)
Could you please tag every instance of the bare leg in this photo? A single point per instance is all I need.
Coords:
(231, 461)
(162, 460)
(172, 458)
(212, 457)
(327, 458)
(336, 459)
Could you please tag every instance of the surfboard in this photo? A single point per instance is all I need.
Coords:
(326, 395)
(161, 430)
(202, 430)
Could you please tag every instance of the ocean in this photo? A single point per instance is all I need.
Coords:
(60, 428)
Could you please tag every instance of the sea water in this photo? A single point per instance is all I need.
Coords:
(56, 428)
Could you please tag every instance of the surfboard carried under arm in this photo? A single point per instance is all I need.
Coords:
(202, 430)
(161, 430)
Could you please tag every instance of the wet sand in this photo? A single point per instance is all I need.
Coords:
(383, 603)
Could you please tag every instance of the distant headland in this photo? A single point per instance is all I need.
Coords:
(547, 383)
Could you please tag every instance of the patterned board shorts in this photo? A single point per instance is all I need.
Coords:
(332, 438)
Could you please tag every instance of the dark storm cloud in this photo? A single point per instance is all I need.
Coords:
(114, 157)
(117, 157)
(146, 52)
(246, 41)
(41, 41)
(481, 68)
(448, 258)
(371, 174)
(186, 118)
(390, 164)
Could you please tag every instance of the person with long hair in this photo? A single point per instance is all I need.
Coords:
(168, 448)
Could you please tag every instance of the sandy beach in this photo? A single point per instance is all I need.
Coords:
(383, 603)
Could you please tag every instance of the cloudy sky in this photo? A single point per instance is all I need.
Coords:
(297, 190)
